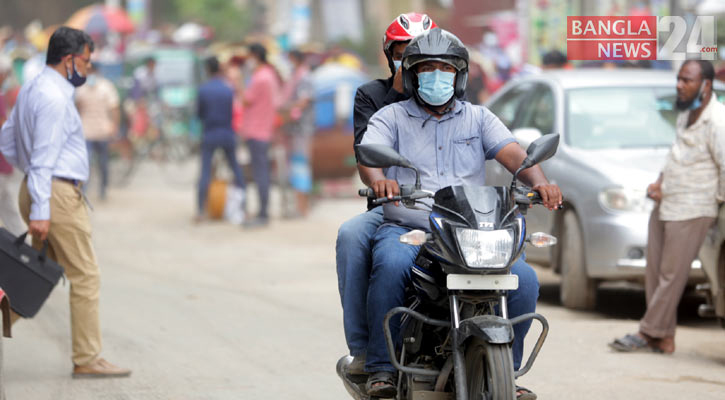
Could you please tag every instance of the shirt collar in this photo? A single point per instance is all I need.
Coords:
(416, 110)
(704, 116)
(65, 87)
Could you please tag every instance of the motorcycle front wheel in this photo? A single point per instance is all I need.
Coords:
(489, 371)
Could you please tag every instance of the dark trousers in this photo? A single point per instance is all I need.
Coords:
(207, 154)
(259, 151)
(98, 150)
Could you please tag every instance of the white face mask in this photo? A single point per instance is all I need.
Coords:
(397, 64)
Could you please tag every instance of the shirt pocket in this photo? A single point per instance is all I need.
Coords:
(467, 156)
(691, 151)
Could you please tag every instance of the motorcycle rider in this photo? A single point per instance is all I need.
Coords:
(448, 140)
(353, 239)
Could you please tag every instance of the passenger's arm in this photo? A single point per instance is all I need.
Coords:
(380, 130)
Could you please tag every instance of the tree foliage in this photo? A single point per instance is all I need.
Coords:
(229, 21)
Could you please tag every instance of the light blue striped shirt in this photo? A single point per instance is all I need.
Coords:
(43, 137)
(448, 151)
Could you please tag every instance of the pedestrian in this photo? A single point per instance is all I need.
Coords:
(300, 127)
(554, 59)
(44, 138)
(260, 101)
(146, 95)
(99, 107)
(686, 195)
(449, 141)
(215, 102)
(9, 177)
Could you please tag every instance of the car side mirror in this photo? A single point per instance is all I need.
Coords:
(526, 136)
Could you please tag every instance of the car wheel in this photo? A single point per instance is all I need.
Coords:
(578, 291)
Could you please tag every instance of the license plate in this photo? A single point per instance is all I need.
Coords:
(482, 282)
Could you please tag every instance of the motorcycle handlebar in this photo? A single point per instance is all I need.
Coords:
(367, 192)
(531, 197)
(370, 193)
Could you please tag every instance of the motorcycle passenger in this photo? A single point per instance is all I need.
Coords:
(353, 254)
(448, 140)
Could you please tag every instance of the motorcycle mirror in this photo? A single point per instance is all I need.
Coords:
(542, 149)
(539, 150)
(380, 156)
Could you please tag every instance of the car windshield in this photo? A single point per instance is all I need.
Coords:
(606, 118)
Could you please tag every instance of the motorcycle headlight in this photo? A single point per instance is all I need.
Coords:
(486, 249)
(624, 199)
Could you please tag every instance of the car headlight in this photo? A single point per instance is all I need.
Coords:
(624, 199)
(486, 249)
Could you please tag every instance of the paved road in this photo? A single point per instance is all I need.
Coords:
(215, 312)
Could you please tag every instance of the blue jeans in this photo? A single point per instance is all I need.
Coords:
(390, 275)
(207, 154)
(353, 256)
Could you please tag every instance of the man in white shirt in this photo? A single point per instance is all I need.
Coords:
(687, 195)
(44, 138)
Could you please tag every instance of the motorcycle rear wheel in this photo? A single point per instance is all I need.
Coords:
(490, 371)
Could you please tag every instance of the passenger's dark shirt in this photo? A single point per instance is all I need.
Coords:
(369, 98)
(215, 111)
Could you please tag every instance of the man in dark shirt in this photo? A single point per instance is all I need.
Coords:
(354, 236)
(215, 113)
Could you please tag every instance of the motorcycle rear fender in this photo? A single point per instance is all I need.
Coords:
(491, 328)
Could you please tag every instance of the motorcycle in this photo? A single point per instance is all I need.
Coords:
(456, 332)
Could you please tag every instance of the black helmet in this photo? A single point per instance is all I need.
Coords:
(435, 45)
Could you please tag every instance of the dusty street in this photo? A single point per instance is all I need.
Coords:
(216, 312)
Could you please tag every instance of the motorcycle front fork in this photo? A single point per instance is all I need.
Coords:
(459, 363)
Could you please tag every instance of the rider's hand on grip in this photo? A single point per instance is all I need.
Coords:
(386, 188)
(550, 194)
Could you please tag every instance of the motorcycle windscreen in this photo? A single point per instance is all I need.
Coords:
(481, 206)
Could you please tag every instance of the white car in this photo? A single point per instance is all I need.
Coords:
(616, 129)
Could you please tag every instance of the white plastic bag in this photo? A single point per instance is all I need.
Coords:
(234, 205)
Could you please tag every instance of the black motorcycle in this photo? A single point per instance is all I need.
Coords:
(456, 332)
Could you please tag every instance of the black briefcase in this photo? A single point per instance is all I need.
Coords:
(26, 274)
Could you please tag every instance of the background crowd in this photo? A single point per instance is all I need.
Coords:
(142, 99)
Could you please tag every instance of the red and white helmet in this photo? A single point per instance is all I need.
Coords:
(405, 27)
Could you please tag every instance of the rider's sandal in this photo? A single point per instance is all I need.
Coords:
(524, 394)
(386, 390)
(633, 343)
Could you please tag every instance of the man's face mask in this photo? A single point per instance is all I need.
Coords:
(436, 87)
(693, 104)
(397, 64)
(75, 78)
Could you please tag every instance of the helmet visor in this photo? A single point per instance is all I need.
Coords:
(413, 60)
